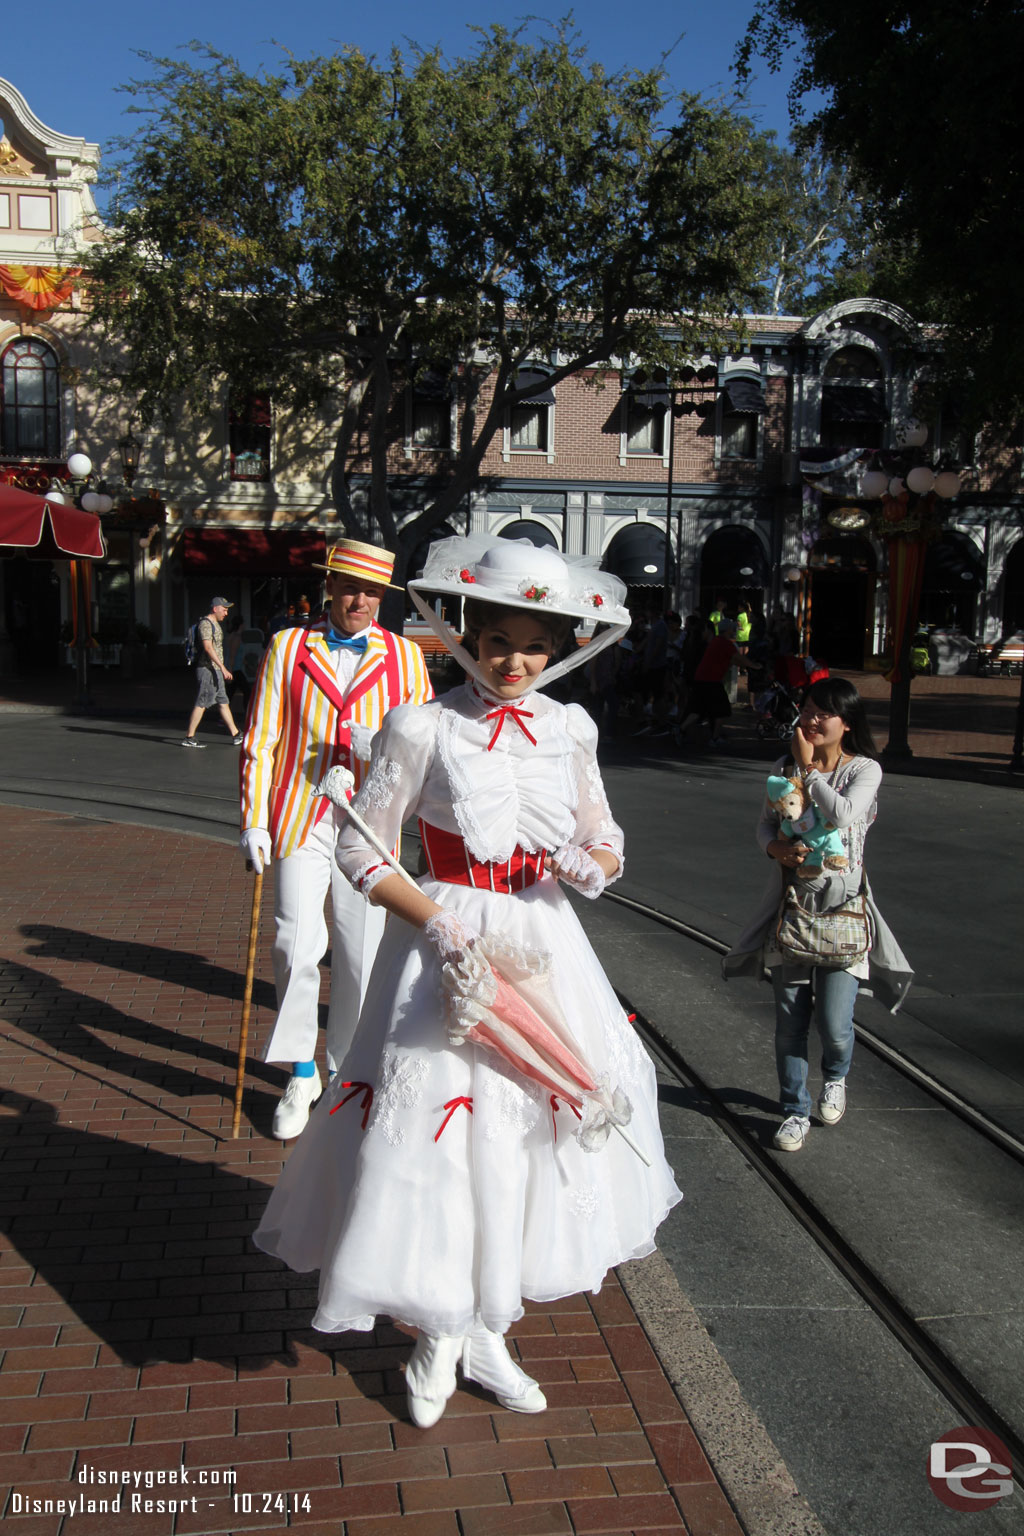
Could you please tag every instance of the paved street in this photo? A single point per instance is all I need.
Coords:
(141, 1327)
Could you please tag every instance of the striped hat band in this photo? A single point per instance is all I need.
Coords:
(366, 562)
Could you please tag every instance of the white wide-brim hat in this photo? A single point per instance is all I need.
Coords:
(513, 573)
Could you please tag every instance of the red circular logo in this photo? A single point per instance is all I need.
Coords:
(969, 1469)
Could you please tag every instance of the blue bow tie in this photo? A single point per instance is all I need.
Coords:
(338, 642)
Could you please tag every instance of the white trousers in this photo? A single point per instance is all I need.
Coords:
(301, 883)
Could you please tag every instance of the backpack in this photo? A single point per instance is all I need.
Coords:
(191, 643)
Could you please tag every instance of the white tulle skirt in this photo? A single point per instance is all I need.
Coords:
(467, 1191)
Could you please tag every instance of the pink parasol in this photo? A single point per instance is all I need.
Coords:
(513, 1010)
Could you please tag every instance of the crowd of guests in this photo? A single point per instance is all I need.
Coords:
(667, 676)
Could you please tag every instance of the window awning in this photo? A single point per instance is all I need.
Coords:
(853, 402)
(49, 530)
(252, 551)
(535, 533)
(637, 555)
(734, 557)
(526, 378)
(953, 564)
(742, 397)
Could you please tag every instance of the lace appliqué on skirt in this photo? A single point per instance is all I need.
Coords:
(400, 1088)
(584, 1202)
(513, 1103)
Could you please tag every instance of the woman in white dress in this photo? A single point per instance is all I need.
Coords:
(435, 1183)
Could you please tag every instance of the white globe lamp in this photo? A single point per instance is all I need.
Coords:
(920, 480)
(79, 466)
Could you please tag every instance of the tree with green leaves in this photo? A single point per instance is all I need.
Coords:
(328, 230)
(818, 225)
(919, 100)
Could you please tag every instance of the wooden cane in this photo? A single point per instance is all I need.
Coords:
(250, 967)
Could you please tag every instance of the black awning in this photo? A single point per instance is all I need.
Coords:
(952, 564)
(853, 402)
(535, 533)
(526, 378)
(637, 555)
(733, 557)
(252, 551)
(742, 397)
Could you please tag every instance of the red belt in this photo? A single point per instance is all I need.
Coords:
(450, 860)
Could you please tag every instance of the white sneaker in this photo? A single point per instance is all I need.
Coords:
(832, 1104)
(292, 1112)
(486, 1360)
(792, 1133)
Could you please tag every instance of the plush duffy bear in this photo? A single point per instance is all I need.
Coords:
(799, 817)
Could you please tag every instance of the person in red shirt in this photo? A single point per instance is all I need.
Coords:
(708, 697)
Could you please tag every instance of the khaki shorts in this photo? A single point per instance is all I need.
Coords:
(210, 689)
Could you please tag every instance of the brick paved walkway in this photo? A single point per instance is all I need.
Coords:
(141, 1331)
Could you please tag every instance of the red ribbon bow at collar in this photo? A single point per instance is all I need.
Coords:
(518, 715)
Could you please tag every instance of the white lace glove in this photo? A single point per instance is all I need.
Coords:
(576, 867)
(255, 844)
(467, 981)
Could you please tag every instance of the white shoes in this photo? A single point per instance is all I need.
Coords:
(430, 1375)
(486, 1360)
(292, 1112)
(792, 1133)
(832, 1104)
(430, 1378)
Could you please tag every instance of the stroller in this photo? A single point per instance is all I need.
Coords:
(776, 712)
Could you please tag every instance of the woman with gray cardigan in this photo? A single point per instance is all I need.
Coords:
(834, 753)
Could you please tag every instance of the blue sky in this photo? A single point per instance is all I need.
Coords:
(69, 59)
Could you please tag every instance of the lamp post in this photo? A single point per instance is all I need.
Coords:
(910, 500)
(688, 397)
(80, 468)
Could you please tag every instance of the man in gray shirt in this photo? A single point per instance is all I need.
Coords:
(211, 673)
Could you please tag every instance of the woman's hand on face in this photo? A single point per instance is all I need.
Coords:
(803, 752)
(787, 852)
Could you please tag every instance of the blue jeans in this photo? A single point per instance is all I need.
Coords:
(827, 995)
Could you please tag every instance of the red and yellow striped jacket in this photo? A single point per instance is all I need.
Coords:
(299, 724)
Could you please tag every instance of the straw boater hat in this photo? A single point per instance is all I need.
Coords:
(367, 562)
(513, 573)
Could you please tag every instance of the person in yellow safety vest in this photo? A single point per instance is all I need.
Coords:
(743, 622)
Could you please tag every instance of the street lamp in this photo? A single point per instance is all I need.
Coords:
(688, 397)
(80, 469)
(909, 492)
(129, 447)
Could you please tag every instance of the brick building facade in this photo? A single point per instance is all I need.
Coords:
(240, 503)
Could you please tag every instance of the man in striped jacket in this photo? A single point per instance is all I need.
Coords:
(320, 697)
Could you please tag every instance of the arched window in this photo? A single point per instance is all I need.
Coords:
(30, 401)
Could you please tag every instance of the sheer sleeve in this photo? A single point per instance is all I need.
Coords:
(402, 753)
(595, 825)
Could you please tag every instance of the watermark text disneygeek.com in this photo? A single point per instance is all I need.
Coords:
(126, 1492)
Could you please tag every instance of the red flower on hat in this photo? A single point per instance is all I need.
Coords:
(467, 577)
(597, 600)
(536, 594)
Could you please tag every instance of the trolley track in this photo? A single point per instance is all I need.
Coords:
(941, 1369)
(946, 1096)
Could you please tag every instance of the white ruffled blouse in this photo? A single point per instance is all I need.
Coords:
(499, 774)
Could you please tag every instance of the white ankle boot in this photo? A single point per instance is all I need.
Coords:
(430, 1377)
(486, 1360)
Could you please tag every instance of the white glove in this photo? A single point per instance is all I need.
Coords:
(576, 867)
(255, 844)
(467, 981)
(449, 936)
